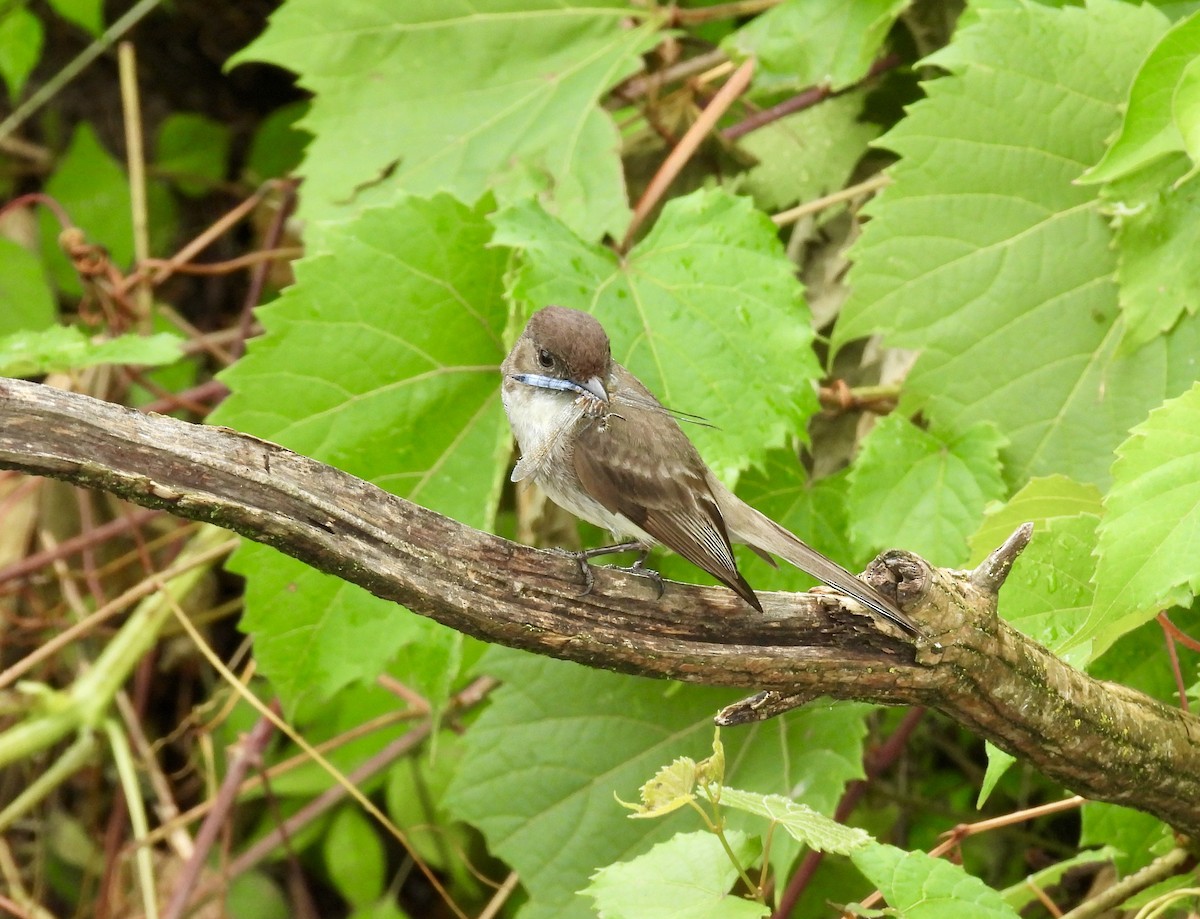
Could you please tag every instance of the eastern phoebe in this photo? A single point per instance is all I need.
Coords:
(602, 447)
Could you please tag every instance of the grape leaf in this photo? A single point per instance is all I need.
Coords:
(920, 490)
(1150, 129)
(814, 42)
(807, 154)
(687, 877)
(1151, 528)
(957, 260)
(1158, 232)
(543, 763)
(382, 360)
(1137, 836)
(1048, 593)
(1185, 109)
(920, 886)
(429, 95)
(705, 311)
(812, 828)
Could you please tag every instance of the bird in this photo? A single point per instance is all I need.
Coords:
(601, 446)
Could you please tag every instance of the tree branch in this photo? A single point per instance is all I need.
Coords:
(1101, 740)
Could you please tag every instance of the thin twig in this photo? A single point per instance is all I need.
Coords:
(806, 99)
(1174, 862)
(648, 84)
(694, 16)
(963, 831)
(249, 260)
(166, 808)
(110, 609)
(1175, 632)
(338, 776)
(1173, 656)
(866, 187)
(500, 897)
(734, 87)
(258, 276)
(135, 158)
(249, 753)
(51, 87)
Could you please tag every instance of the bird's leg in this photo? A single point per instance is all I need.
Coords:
(583, 556)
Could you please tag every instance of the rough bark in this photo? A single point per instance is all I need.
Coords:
(1099, 739)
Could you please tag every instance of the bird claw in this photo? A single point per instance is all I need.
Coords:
(638, 568)
(585, 570)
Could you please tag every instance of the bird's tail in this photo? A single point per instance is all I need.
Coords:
(763, 534)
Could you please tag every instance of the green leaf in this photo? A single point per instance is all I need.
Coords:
(1048, 593)
(93, 189)
(430, 95)
(687, 877)
(706, 311)
(253, 895)
(920, 886)
(384, 908)
(1137, 836)
(964, 257)
(62, 348)
(803, 43)
(26, 301)
(278, 145)
(1150, 129)
(921, 490)
(20, 46)
(87, 14)
(1148, 537)
(1157, 225)
(383, 360)
(354, 857)
(193, 151)
(1185, 109)
(558, 740)
(671, 788)
(804, 824)
(808, 154)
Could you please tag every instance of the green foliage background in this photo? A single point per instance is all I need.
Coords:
(465, 163)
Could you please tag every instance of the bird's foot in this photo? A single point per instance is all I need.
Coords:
(582, 557)
(639, 569)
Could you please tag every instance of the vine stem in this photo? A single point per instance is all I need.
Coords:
(671, 166)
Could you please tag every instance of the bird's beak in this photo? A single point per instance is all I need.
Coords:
(596, 388)
(592, 388)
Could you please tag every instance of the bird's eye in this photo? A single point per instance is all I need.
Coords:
(545, 358)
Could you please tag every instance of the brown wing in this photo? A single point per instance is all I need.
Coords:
(641, 465)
